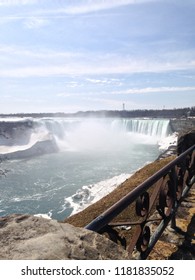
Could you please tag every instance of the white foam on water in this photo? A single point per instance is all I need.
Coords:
(166, 142)
(45, 216)
(35, 197)
(88, 195)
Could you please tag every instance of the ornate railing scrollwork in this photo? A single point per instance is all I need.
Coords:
(142, 204)
(144, 238)
(163, 192)
(166, 197)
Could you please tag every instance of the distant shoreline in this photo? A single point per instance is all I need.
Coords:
(164, 113)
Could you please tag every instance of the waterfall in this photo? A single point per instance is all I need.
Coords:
(103, 133)
(60, 128)
(158, 128)
(81, 134)
(150, 127)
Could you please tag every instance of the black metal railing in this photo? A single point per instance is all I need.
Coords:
(156, 200)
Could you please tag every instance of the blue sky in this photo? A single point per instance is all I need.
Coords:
(72, 55)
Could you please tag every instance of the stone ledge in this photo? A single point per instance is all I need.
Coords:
(26, 237)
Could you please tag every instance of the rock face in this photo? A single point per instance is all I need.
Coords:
(28, 237)
(185, 141)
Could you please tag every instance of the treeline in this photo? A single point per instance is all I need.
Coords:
(165, 113)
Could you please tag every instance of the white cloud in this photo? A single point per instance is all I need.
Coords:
(17, 2)
(95, 96)
(105, 81)
(80, 68)
(21, 54)
(98, 5)
(153, 89)
(88, 6)
(21, 62)
(100, 81)
(73, 8)
(75, 69)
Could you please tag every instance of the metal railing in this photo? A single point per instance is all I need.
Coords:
(156, 200)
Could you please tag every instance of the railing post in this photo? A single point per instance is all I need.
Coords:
(174, 180)
(173, 221)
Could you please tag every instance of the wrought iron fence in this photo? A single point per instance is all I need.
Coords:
(156, 200)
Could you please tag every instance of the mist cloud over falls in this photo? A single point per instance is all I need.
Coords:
(106, 134)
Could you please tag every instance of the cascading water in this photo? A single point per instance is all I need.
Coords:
(150, 127)
(95, 156)
(74, 134)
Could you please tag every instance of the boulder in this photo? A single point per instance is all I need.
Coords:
(26, 237)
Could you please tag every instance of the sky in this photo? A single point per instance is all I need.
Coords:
(80, 55)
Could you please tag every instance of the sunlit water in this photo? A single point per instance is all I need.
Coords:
(94, 157)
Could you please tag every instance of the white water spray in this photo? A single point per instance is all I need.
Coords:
(105, 134)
